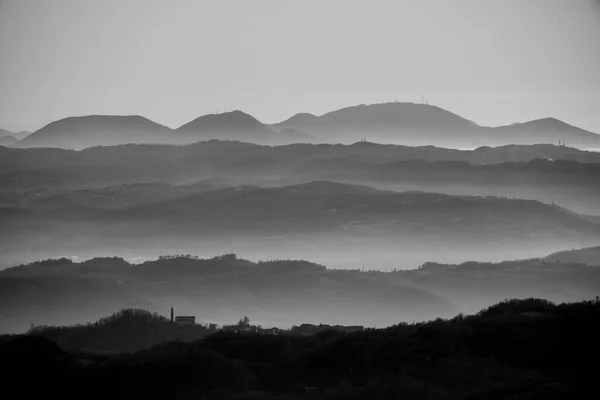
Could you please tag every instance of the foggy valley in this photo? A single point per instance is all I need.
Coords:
(299, 200)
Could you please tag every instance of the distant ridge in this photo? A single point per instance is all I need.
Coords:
(401, 123)
(417, 124)
(232, 125)
(588, 256)
(8, 140)
(305, 119)
(239, 126)
(547, 130)
(17, 135)
(408, 124)
(326, 206)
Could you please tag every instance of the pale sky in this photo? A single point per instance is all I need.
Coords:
(494, 62)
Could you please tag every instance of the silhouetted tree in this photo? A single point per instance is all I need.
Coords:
(244, 322)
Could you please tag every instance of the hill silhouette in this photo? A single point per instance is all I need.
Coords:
(220, 289)
(224, 151)
(355, 154)
(238, 126)
(301, 119)
(17, 135)
(125, 331)
(546, 130)
(328, 219)
(323, 206)
(405, 123)
(397, 123)
(231, 122)
(56, 202)
(330, 210)
(107, 197)
(98, 130)
(529, 348)
(274, 293)
(423, 124)
(587, 256)
(8, 140)
(538, 172)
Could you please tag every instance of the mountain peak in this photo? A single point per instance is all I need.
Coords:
(548, 123)
(394, 118)
(16, 135)
(418, 124)
(8, 140)
(301, 118)
(227, 121)
(548, 130)
(93, 130)
(99, 121)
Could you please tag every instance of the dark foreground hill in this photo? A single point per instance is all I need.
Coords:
(126, 331)
(518, 349)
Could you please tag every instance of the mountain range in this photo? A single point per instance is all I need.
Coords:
(278, 292)
(17, 135)
(8, 138)
(548, 173)
(587, 256)
(333, 221)
(397, 123)
(422, 124)
(110, 130)
(352, 209)
(221, 289)
(239, 126)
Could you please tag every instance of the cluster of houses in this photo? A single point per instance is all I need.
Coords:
(244, 326)
(183, 320)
